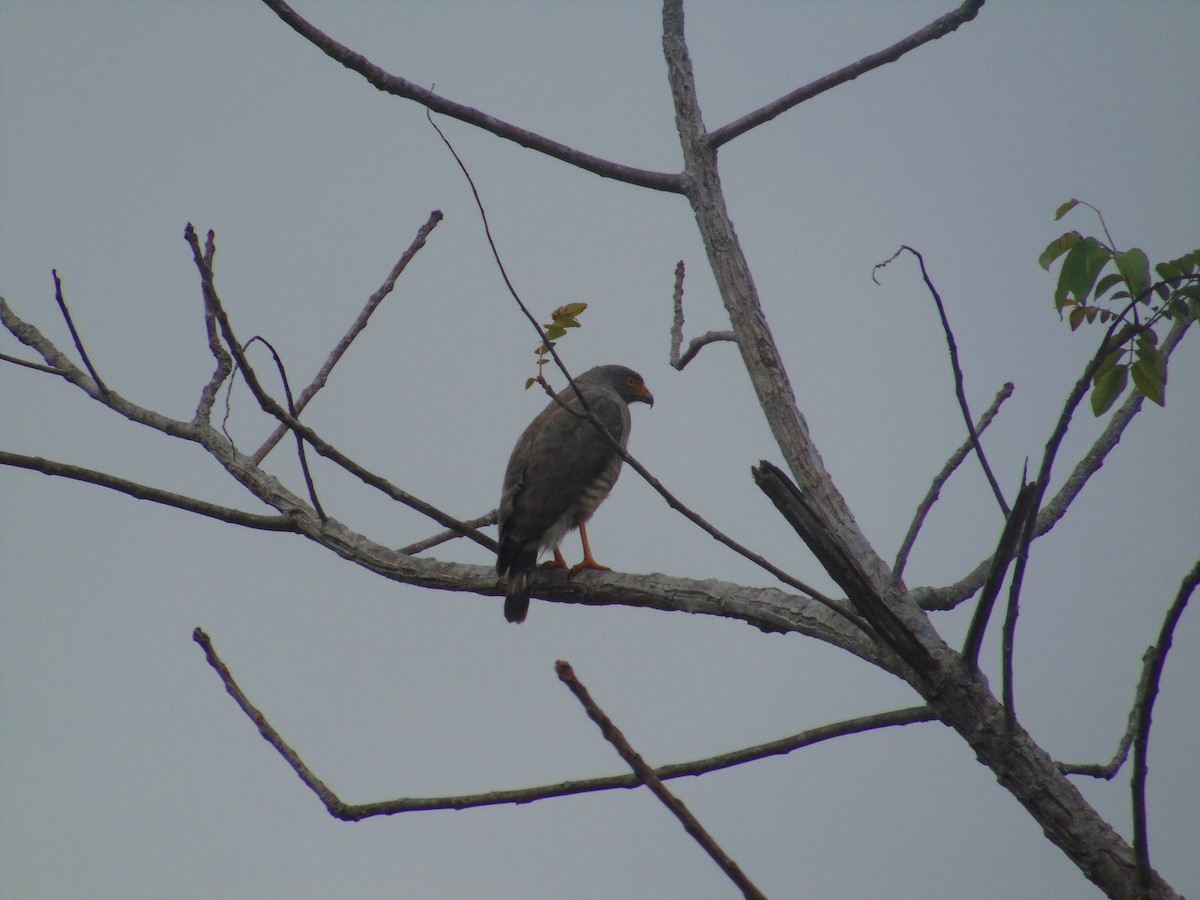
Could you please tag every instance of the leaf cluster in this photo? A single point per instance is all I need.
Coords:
(561, 319)
(1126, 299)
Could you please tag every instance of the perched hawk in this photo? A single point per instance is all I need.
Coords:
(559, 472)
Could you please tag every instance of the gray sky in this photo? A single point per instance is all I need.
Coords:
(125, 770)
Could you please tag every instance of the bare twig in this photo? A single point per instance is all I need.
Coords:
(355, 812)
(942, 477)
(293, 412)
(37, 367)
(1091, 462)
(393, 84)
(1009, 538)
(66, 314)
(356, 328)
(1008, 638)
(1156, 657)
(709, 337)
(646, 774)
(144, 492)
(934, 30)
(959, 390)
(444, 536)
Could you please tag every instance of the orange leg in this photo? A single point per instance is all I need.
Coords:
(557, 563)
(588, 561)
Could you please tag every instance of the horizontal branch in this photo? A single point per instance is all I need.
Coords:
(936, 29)
(356, 812)
(400, 87)
(145, 492)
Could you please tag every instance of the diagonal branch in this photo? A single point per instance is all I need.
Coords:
(959, 390)
(648, 777)
(1089, 464)
(399, 87)
(1156, 658)
(66, 314)
(322, 377)
(931, 32)
(943, 476)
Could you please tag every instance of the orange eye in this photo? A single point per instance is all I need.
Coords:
(631, 381)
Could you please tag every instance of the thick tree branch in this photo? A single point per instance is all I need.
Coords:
(393, 84)
(931, 32)
(647, 776)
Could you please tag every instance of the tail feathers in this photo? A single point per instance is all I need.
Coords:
(516, 604)
(518, 561)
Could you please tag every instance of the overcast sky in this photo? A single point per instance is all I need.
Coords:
(127, 772)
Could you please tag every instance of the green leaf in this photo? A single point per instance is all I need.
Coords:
(1064, 209)
(1106, 284)
(1077, 315)
(567, 322)
(530, 382)
(1058, 247)
(1135, 268)
(574, 309)
(554, 331)
(1150, 381)
(1080, 268)
(1107, 386)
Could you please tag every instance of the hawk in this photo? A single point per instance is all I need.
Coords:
(561, 469)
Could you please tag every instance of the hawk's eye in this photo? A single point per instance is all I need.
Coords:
(631, 381)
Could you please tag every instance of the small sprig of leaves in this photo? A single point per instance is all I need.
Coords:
(1126, 298)
(560, 320)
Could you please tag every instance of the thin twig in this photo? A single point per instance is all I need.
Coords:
(950, 596)
(144, 492)
(936, 29)
(959, 390)
(293, 412)
(942, 477)
(322, 377)
(1157, 657)
(328, 797)
(1009, 539)
(709, 337)
(393, 84)
(270, 406)
(643, 771)
(1008, 638)
(444, 536)
(66, 314)
(38, 367)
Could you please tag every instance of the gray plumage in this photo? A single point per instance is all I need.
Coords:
(561, 469)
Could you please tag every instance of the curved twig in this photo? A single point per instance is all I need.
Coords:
(679, 361)
(959, 390)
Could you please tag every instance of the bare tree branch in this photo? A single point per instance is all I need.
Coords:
(1156, 658)
(942, 477)
(37, 367)
(959, 390)
(443, 536)
(709, 337)
(948, 597)
(647, 776)
(934, 30)
(356, 812)
(66, 314)
(144, 492)
(322, 377)
(393, 84)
